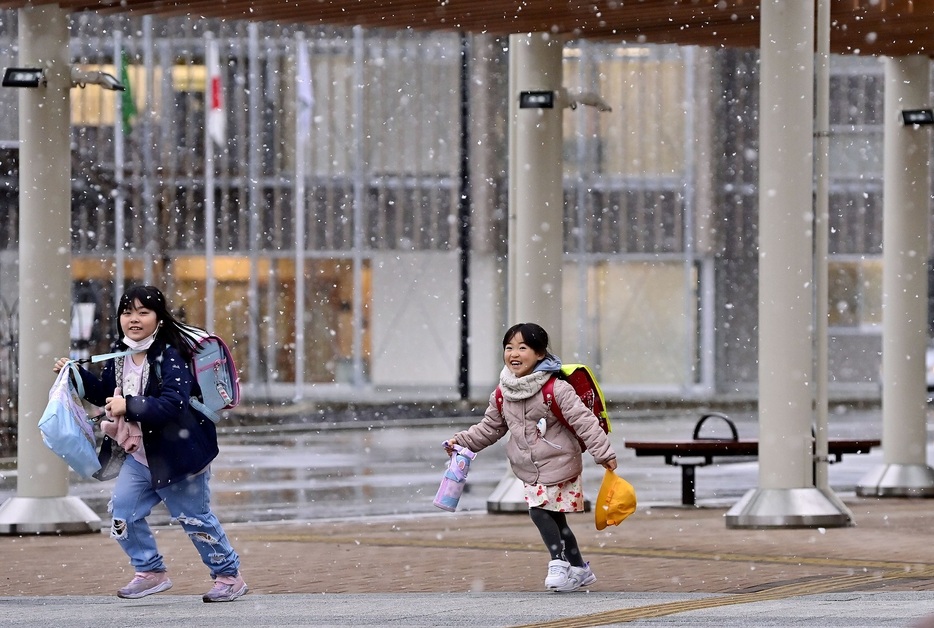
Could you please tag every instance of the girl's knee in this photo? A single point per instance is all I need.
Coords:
(119, 529)
(122, 526)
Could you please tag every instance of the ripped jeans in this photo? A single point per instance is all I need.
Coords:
(189, 502)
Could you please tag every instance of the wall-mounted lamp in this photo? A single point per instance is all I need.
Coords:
(80, 78)
(24, 77)
(540, 99)
(917, 116)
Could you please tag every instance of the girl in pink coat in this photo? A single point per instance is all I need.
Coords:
(542, 452)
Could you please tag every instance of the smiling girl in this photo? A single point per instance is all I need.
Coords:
(168, 446)
(542, 452)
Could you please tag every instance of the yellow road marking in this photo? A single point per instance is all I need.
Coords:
(714, 601)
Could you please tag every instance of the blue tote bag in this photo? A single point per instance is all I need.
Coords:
(65, 426)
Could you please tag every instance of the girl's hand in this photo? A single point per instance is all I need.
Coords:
(60, 364)
(448, 445)
(610, 465)
(116, 405)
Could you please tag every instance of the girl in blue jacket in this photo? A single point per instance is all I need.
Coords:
(166, 447)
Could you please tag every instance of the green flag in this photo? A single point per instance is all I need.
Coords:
(128, 105)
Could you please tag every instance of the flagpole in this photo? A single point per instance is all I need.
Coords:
(359, 189)
(302, 79)
(212, 64)
(255, 169)
(119, 200)
(209, 214)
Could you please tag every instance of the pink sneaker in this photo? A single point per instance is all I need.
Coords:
(226, 589)
(145, 583)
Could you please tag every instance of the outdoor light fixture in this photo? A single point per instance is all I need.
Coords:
(80, 78)
(917, 116)
(537, 100)
(24, 77)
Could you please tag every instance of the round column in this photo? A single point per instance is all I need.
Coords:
(536, 197)
(906, 193)
(786, 495)
(536, 207)
(41, 503)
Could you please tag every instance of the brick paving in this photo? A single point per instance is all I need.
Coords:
(658, 549)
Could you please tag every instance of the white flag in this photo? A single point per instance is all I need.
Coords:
(214, 96)
(305, 94)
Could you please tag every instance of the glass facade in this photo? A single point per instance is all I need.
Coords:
(336, 201)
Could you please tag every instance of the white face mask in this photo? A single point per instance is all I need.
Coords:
(140, 345)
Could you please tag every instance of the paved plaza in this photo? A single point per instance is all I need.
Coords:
(406, 564)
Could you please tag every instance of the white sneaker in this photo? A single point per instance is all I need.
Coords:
(557, 574)
(576, 578)
(590, 578)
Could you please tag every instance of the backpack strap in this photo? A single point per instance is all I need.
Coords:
(118, 372)
(548, 393)
(195, 403)
(498, 394)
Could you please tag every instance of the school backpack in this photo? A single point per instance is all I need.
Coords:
(214, 370)
(582, 379)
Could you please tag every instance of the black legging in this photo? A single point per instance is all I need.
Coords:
(560, 541)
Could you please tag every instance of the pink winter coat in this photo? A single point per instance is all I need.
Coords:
(551, 459)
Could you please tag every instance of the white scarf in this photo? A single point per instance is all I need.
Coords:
(518, 388)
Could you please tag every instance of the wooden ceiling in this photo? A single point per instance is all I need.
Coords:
(866, 27)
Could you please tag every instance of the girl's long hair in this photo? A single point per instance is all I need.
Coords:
(171, 331)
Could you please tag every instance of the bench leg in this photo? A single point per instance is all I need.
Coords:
(687, 484)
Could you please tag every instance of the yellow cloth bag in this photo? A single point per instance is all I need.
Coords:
(615, 501)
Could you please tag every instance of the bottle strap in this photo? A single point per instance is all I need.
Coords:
(110, 356)
(103, 357)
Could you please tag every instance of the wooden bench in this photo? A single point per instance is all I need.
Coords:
(701, 451)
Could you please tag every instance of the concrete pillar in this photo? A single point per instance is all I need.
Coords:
(536, 207)
(536, 198)
(906, 195)
(42, 503)
(786, 495)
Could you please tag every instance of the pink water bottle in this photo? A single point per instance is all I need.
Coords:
(455, 478)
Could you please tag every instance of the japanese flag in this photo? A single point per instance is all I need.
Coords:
(214, 97)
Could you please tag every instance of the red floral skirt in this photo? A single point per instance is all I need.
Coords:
(564, 497)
